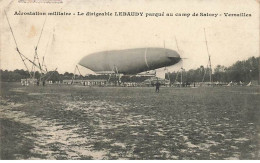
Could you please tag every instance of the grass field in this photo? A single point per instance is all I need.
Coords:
(76, 122)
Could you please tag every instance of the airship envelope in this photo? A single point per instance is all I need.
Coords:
(130, 61)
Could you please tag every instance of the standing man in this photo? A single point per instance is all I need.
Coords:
(157, 86)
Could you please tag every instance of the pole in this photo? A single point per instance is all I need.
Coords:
(177, 45)
(41, 32)
(51, 74)
(17, 46)
(74, 75)
(169, 77)
(181, 77)
(27, 58)
(209, 62)
(36, 54)
(36, 57)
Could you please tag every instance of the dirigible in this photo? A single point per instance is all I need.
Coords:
(130, 61)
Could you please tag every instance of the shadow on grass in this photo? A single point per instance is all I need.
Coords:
(14, 145)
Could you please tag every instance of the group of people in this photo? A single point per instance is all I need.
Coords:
(38, 82)
(27, 82)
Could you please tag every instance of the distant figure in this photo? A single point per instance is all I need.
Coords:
(43, 83)
(38, 82)
(187, 84)
(27, 82)
(230, 84)
(157, 86)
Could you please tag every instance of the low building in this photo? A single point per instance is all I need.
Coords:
(29, 81)
(94, 82)
(153, 80)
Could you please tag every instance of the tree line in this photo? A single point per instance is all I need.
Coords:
(17, 75)
(243, 71)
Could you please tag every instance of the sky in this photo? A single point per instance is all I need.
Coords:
(66, 39)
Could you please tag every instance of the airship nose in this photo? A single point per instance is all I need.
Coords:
(173, 55)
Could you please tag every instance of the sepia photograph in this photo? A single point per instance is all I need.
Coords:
(129, 80)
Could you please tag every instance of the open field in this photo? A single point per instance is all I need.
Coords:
(76, 122)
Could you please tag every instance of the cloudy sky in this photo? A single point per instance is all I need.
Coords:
(69, 38)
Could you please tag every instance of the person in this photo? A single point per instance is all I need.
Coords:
(157, 86)
(27, 82)
(43, 83)
(38, 82)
